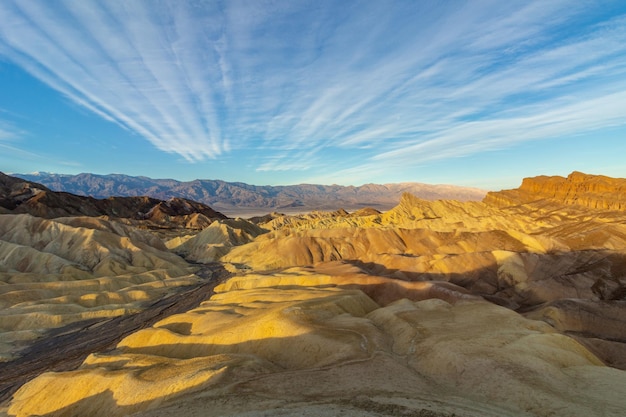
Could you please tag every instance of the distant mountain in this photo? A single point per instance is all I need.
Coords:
(227, 196)
(19, 196)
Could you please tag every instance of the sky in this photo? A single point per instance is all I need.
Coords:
(473, 93)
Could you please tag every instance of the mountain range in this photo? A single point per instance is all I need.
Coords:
(233, 197)
(18, 196)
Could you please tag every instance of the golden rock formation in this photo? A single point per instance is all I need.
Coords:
(54, 272)
(510, 306)
(216, 240)
(522, 256)
(307, 343)
(593, 191)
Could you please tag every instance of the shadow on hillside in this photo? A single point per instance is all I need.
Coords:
(394, 284)
(98, 405)
(583, 298)
(287, 353)
(65, 348)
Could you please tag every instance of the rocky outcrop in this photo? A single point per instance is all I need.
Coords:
(592, 191)
(14, 191)
(512, 306)
(216, 240)
(524, 257)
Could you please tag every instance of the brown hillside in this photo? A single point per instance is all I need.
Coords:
(19, 196)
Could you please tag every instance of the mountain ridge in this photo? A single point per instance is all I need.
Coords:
(18, 196)
(223, 194)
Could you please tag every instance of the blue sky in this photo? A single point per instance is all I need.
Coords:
(477, 93)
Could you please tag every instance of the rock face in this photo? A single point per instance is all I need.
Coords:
(216, 240)
(526, 256)
(235, 196)
(14, 191)
(593, 191)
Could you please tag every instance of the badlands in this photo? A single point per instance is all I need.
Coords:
(513, 306)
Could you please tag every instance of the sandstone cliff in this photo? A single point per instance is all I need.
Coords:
(593, 191)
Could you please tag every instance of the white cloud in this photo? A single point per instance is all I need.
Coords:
(540, 122)
(407, 83)
(147, 70)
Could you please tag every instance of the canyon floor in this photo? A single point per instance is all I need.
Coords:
(513, 306)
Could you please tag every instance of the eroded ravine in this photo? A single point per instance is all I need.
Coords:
(65, 348)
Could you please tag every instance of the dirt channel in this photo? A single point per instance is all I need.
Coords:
(65, 348)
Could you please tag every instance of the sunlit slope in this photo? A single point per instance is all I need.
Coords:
(577, 189)
(528, 256)
(216, 240)
(508, 307)
(517, 255)
(53, 272)
(330, 341)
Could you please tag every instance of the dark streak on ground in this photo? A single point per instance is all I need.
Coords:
(65, 348)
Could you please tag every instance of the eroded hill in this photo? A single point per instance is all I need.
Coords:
(512, 306)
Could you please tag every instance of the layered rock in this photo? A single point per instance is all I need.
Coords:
(511, 306)
(216, 240)
(524, 257)
(592, 191)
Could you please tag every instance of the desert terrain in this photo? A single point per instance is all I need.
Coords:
(510, 306)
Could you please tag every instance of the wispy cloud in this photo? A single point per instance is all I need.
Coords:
(285, 84)
(151, 70)
(9, 141)
(8, 132)
(13, 147)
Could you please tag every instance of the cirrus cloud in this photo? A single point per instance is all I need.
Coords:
(284, 84)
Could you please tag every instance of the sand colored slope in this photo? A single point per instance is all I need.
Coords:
(413, 212)
(526, 256)
(216, 240)
(98, 251)
(54, 272)
(418, 228)
(521, 268)
(315, 342)
(415, 311)
(394, 245)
